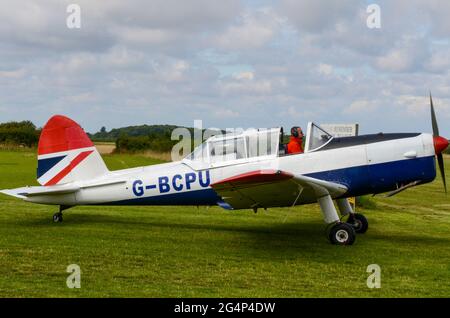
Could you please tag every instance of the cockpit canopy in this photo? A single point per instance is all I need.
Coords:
(316, 138)
(249, 146)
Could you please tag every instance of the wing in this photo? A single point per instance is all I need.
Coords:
(271, 188)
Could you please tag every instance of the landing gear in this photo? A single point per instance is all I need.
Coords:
(358, 222)
(57, 217)
(338, 233)
(342, 234)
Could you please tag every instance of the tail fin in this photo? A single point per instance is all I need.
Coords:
(66, 154)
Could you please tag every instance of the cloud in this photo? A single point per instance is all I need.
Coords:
(226, 113)
(318, 15)
(14, 74)
(244, 76)
(409, 55)
(360, 106)
(325, 69)
(253, 30)
(270, 64)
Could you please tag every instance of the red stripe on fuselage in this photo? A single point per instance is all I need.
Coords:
(64, 172)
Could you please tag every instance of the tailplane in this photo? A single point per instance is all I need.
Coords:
(66, 154)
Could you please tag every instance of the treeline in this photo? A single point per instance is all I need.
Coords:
(22, 133)
(141, 138)
(138, 138)
(128, 139)
(154, 142)
(133, 131)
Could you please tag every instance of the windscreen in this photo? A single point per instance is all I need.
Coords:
(318, 137)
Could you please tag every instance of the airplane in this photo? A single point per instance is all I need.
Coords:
(247, 170)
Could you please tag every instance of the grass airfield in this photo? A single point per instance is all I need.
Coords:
(210, 252)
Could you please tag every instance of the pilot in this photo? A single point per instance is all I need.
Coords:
(295, 144)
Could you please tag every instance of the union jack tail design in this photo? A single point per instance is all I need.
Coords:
(66, 154)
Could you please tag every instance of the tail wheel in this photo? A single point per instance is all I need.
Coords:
(358, 222)
(342, 234)
(57, 217)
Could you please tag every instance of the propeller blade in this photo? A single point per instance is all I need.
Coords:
(440, 159)
(433, 119)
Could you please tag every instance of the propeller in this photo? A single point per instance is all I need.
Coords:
(440, 143)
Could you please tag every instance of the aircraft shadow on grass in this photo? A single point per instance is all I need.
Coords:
(291, 238)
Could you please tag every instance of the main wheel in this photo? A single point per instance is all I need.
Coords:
(57, 217)
(342, 234)
(358, 222)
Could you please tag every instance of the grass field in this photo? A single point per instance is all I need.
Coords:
(200, 252)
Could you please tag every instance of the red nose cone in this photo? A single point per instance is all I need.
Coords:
(440, 144)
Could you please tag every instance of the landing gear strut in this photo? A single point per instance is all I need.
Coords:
(356, 220)
(58, 217)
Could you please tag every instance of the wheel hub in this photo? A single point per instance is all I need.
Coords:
(341, 236)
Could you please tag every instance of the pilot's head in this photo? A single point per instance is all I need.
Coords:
(296, 132)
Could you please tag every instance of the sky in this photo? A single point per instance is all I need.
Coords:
(228, 63)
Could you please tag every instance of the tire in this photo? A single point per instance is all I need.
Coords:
(342, 234)
(358, 222)
(57, 218)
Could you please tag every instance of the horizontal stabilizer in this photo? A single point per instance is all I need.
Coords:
(26, 192)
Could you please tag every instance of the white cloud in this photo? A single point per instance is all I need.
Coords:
(439, 61)
(14, 74)
(252, 31)
(419, 106)
(246, 87)
(318, 15)
(244, 76)
(325, 69)
(397, 60)
(226, 113)
(360, 106)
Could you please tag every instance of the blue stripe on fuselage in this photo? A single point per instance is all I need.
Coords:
(376, 178)
(196, 197)
(381, 177)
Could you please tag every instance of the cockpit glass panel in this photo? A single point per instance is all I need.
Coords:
(263, 143)
(250, 144)
(318, 137)
(199, 154)
(227, 149)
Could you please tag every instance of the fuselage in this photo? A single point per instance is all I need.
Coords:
(364, 164)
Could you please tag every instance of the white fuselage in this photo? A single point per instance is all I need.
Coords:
(363, 166)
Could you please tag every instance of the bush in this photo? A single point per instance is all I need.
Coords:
(19, 133)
